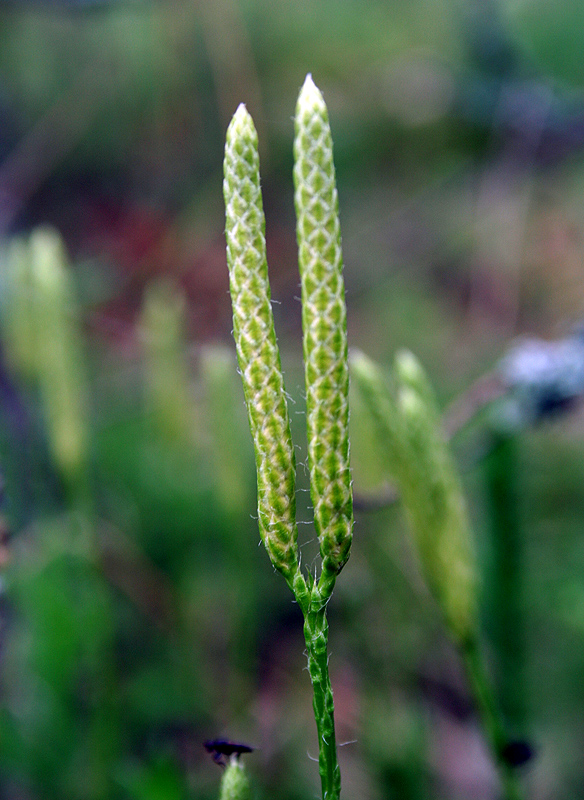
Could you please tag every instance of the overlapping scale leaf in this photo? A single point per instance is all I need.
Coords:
(324, 327)
(257, 348)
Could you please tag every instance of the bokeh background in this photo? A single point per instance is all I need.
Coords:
(139, 617)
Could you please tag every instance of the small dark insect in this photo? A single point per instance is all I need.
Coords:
(517, 753)
(222, 747)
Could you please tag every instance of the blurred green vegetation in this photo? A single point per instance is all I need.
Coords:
(139, 617)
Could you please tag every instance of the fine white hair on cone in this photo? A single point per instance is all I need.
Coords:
(324, 327)
(257, 348)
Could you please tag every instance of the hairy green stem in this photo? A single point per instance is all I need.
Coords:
(316, 637)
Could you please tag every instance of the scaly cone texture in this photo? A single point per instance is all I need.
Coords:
(327, 382)
(324, 328)
(257, 349)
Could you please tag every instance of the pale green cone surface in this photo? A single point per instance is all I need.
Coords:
(419, 459)
(436, 508)
(60, 367)
(324, 327)
(257, 349)
(226, 448)
(20, 334)
(409, 372)
(162, 331)
(378, 396)
(235, 783)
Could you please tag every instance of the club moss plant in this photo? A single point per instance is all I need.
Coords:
(41, 325)
(409, 428)
(326, 376)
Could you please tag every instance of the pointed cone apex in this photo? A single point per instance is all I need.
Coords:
(407, 365)
(241, 124)
(310, 95)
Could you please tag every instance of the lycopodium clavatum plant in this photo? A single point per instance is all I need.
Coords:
(407, 420)
(42, 331)
(326, 378)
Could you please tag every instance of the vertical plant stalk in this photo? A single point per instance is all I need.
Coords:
(504, 577)
(490, 717)
(326, 373)
(324, 328)
(316, 638)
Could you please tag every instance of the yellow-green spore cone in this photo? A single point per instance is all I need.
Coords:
(378, 396)
(19, 317)
(168, 395)
(435, 504)
(60, 364)
(324, 328)
(235, 784)
(227, 452)
(409, 427)
(257, 348)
